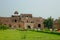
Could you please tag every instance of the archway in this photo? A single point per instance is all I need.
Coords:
(39, 25)
(15, 20)
(28, 27)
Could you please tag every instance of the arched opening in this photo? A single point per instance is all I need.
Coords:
(28, 27)
(39, 25)
(15, 20)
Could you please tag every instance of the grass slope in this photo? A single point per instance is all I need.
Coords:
(26, 35)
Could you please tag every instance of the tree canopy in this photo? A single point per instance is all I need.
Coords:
(48, 22)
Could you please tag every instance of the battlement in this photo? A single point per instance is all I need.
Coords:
(26, 15)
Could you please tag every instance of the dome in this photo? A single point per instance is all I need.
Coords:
(15, 12)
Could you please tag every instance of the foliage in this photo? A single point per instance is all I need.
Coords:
(45, 23)
(3, 27)
(59, 22)
(48, 22)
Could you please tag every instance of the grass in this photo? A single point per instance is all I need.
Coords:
(26, 35)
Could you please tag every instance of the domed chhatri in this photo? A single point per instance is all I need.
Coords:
(16, 12)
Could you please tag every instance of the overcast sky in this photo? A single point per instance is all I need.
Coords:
(43, 8)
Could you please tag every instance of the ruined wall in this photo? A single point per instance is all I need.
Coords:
(56, 24)
(22, 21)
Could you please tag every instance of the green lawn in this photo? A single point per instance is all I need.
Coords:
(26, 35)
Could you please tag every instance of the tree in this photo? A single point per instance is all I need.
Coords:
(59, 23)
(48, 22)
(45, 23)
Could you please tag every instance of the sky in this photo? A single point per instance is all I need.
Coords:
(38, 8)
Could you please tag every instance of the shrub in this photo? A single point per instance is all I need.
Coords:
(3, 27)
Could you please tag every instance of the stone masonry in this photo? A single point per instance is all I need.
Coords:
(24, 21)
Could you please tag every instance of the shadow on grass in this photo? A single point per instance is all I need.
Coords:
(56, 33)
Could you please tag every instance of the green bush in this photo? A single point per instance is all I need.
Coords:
(3, 27)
